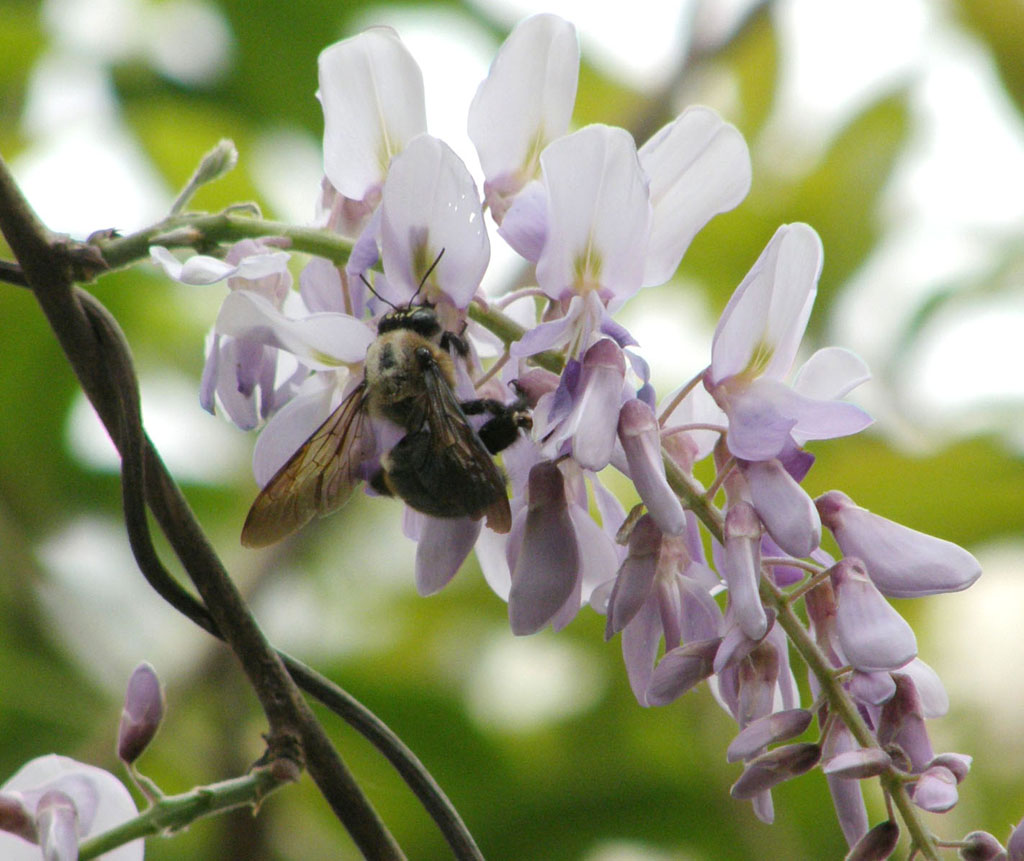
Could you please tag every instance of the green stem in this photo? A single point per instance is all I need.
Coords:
(173, 812)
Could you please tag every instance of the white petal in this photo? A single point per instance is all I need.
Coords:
(372, 95)
(598, 214)
(324, 341)
(527, 98)
(831, 373)
(698, 166)
(761, 327)
(201, 270)
(430, 205)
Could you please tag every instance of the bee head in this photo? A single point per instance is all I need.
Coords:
(421, 319)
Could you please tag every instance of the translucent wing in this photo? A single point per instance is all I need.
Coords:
(470, 465)
(317, 479)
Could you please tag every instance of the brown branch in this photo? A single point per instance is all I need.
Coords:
(48, 264)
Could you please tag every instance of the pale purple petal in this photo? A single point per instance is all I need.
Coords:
(430, 205)
(936, 790)
(929, 687)
(372, 95)
(1015, 845)
(874, 688)
(901, 722)
(526, 101)
(680, 669)
(872, 635)
(442, 547)
(770, 729)
(698, 166)
(288, 429)
(598, 217)
(774, 767)
(641, 442)
(858, 764)
(640, 641)
(846, 795)
(546, 568)
(322, 341)
(524, 225)
(320, 286)
(831, 373)
(594, 419)
(598, 552)
(902, 562)
(549, 334)
(635, 578)
(491, 554)
(742, 569)
(784, 507)
(760, 330)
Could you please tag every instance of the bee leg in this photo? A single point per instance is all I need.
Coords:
(450, 341)
(502, 429)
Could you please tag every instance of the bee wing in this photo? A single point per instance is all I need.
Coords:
(317, 479)
(456, 440)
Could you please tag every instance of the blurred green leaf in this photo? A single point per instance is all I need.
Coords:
(1000, 24)
(753, 58)
(839, 198)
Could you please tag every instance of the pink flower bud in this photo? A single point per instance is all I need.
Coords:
(142, 713)
(641, 441)
(902, 562)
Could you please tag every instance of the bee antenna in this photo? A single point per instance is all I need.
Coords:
(426, 275)
(369, 287)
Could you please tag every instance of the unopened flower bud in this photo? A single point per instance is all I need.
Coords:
(641, 441)
(680, 669)
(635, 578)
(142, 713)
(217, 162)
(775, 767)
(545, 570)
(902, 723)
(880, 842)
(57, 825)
(771, 729)
(872, 634)
(981, 846)
(858, 764)
(742, 568)
(1015, 845)
(902, 562)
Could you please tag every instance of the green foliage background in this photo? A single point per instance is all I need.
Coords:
(609, 774)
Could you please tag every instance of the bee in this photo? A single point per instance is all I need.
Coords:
(442, 467)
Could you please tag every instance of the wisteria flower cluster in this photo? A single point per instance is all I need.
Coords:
(700, 584)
